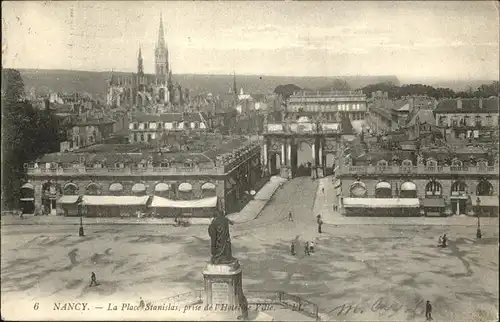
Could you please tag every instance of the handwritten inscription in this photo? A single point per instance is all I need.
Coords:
(381, 305)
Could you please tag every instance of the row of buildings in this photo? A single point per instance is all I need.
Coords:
(429, 157)
(114, 179)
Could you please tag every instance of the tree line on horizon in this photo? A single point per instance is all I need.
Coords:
(27, 133)
(396, 92)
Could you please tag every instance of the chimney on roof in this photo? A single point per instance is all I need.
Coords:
(459, 103)
(480, 102)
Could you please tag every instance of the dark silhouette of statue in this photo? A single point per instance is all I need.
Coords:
(220, 240)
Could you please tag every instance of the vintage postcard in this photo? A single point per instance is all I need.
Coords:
(250, 160)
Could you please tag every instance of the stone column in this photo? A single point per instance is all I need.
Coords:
(289, 154)
(283, 154)
(313, 154)
(320, 154)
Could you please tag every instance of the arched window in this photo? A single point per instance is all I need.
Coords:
(484, 188)
(139, 189)
(456, 163)
(431, 163)
(458, 188)
(358, 189)
(383, 189)
(27, 191)
(406, 163)
(70, 189)
(115, 188)
(433, 188)
(382, 163)
(208, 189)
(93, 189)
(408, 189)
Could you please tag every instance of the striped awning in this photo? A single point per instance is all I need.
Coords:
(381, 202)
(159, 202)
(115, 200)
(68, 200)
(433, 202)
(489, 201)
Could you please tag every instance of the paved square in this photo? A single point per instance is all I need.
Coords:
(386, 271)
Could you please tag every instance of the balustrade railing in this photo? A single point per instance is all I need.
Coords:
(416, 169)
(126, 170)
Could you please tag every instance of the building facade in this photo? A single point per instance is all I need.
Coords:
(465, 119)
(329, 106)
(117, 183)
(149, 127)
(427, 183)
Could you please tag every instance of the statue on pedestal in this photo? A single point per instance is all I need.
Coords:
(220, 240)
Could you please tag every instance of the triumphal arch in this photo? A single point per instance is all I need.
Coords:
(304, 146)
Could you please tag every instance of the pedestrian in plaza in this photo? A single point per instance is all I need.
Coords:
(311, 247)
(320, 223)
(292, 248)
(306, 248)
(445, 241)
(141, 304)
(290, 218)
(428, 311)
(93, 280)
(323, 190)
(21, 215)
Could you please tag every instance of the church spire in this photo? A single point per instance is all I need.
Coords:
(235, 89)
(140, 65)
(161, 36)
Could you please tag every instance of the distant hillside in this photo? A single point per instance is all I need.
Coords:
(456, 85)
(96, 82)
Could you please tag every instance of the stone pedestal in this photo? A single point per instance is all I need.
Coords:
(223, 283)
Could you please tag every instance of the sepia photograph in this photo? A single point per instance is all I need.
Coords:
(250, 161)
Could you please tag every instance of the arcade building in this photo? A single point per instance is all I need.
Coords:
(432, 182)
(216, 173)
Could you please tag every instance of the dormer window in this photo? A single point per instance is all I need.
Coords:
(118, 165)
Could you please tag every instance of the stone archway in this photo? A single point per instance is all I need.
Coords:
(303, 158)
(27, 199)
(275, 160)
(330, 163)
(484, 188)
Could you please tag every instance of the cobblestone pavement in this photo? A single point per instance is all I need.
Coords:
(358, 272)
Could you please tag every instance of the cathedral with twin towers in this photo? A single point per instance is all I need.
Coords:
(147, 92)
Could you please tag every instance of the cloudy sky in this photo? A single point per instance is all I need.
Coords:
(458, 40)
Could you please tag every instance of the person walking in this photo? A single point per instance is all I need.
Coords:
(320, 223)
(93, 280)
(141, 304)
(292, 248)
(428, 311)
(445, 241)
(290, 218)
(323, 190)
(311, 247)
(306, 248)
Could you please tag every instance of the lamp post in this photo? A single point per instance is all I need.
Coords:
(80, 212)
(478, 232)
